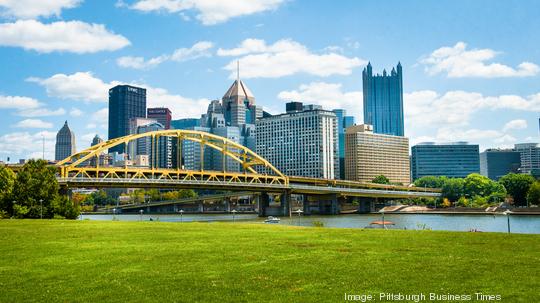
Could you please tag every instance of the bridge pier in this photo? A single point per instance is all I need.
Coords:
(285, 204)
(264, 202)
(306, 205)
(366, 205)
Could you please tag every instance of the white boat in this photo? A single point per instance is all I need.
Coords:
(272, 220)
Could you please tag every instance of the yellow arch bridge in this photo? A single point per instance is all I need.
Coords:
(256, 174)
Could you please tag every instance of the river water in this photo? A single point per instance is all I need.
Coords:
(528, 224)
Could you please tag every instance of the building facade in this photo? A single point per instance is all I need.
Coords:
(187, 123)
(343, 122)
(65, 143)
(159, 150)
(97, 140)
(125, 102)
(453, 160)
(301, 143)
(495, 163)
(161, 114)
(530, 157)
(368, 155)
(383, 101)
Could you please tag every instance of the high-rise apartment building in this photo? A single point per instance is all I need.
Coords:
(161, 114)
(343, 122)
(65, 143)
(495, 163)
(125, 102)
(301, 143)
(383, 100)
(453, 160)
(530, 157)
(368, 155)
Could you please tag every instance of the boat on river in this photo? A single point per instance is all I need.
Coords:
(272, 220)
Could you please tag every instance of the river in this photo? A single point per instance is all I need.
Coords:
(528, 224)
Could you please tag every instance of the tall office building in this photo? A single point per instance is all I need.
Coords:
(368, 155)
(162, 115)
(454, 160)
(495, 163)
(530, 157)
(159, 152)
(97, 140)
(186, 123)
(301, 142)
(383, 100)
(65, 143)
(343, 122)
(233, 118)
(125, 102)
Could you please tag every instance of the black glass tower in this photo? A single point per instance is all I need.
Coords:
(125, 102)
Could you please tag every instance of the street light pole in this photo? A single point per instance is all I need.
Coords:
(181, 215)
(507, 214)
(233, 213)
(383, 223)
(41, 208)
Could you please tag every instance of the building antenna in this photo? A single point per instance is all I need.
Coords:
(238, 71)
(43, 151)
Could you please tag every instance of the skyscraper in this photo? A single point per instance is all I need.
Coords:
(343, 122)
(161, 115)
(125, 102)
(65, 143)
(97, 140)
(239, 105)
(383, 101)
(368, 155)
(453, 160)
(530, 157)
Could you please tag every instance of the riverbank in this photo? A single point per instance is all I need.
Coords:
(224, 262)
(413, 209)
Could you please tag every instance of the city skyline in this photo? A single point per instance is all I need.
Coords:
(457, 85)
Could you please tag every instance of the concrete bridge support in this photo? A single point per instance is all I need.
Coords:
(306, 205)
(366, 205)
(264, 202)
(285, 204)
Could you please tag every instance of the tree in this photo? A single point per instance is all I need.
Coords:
(430, 181)
(7, 181)
(517, 186)
(65, 208)
(533, 196)
(381, 179)
(36, 182)
(452, 189)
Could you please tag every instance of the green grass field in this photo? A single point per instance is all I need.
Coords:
(92, 261)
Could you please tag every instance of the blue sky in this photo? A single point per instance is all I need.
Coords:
(471, 68)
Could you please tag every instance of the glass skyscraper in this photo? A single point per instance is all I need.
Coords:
(125, 102)
(383, 101)
(453, 160)
(495, 163)
(343, 122)
(65, 143)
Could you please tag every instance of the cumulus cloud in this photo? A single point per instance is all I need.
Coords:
(75, 112)
(515, 124)
(198, 50)
(284, 58)
(41, 112)
(328, 95)
(458, 62)
(85, 87)
(33, 123)
(27, 144)
(17, 102)
(63, 36)
(31, 9)
(209, 12)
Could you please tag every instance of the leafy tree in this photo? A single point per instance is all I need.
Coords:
(430, 181)
(7, 181)
(381, 179)
(452, 189)
(65, 208)
(533, 196)
(36, 181)
(99, 198)
(517, 186)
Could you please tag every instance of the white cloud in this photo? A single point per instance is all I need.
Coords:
(27, 145)
(17, 102)
(71, 36)
(80, 86)
(30, 9)
(33, 123)
(41, 112)
(515, 124)
(458, 62)
(99, 119)
(328, 95)
(198, 50)
(75, 112)
(209, 12)
(286, 57)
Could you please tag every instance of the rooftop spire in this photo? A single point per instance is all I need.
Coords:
(238, 70)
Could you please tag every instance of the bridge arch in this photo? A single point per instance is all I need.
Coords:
(76, 165)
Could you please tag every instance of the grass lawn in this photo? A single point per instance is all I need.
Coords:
(93, 261)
